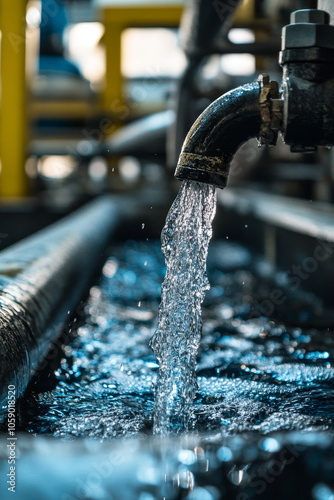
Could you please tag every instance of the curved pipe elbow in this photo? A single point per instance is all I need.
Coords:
(218, 133)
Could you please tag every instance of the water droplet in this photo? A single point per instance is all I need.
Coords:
(224, 454)
(270, 444)
(236, 475)
(110, 268)
(200, 494)
(322, 492)
(185, 479)
(187, 457)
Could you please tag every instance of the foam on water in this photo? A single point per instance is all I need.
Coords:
(185, 241)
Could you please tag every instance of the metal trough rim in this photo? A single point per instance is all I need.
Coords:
(314, 219)
(41, 279)
(117, 468)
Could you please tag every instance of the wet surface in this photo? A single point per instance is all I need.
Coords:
(255, 374)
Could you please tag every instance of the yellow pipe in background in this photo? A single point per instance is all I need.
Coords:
(116, 19)
(13, 119)
(245, 12)
(13, 106)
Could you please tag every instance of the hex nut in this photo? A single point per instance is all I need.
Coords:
(302, 35)
(316, 16)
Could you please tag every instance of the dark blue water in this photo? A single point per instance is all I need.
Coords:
(254, 374)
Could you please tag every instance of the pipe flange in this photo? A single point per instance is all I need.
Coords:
(271, 109)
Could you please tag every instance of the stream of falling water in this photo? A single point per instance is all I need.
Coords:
(185, 240)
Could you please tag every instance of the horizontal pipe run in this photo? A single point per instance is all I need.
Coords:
(267, 48)
(145, 136)
(41, 279)
(296, 237)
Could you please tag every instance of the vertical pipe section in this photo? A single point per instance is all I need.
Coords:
(41, 279)
(113, 91)
(116, 18)
(202, 23)
(13, 99)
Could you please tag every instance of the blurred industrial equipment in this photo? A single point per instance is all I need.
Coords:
(98, 96)
(85, 70)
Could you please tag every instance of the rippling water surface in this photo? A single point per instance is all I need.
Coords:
(254, 374)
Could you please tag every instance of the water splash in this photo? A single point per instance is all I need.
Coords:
(185, 241)
(255, 375)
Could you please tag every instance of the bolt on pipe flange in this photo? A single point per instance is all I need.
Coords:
(308, 38)
(307, 58)
(308, 28)
(271, 108)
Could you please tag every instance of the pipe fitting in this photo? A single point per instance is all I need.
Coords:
(308, 28)
(251, 111)
(303, 113)
(271, 111)
(218, 133)
(307, 58)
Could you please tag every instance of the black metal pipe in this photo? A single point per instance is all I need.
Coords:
(308, 91)
(202, 24)
(143, 137)
(307, 58)
(218, 133)
(41, 279)
(183, 106)
(267, 48)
